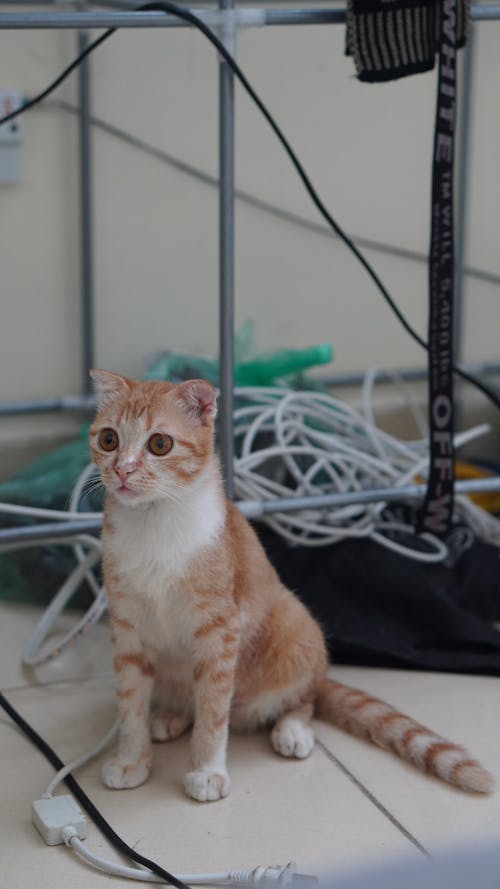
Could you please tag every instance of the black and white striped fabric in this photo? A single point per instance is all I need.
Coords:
(394, 38)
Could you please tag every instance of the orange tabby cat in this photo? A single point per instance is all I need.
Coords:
(198, 614)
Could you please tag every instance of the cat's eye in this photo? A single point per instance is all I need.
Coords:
(108, 440)
(160, 444)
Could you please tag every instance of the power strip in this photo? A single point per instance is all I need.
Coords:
(51, 816)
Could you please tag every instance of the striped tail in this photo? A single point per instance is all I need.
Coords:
(367, 717)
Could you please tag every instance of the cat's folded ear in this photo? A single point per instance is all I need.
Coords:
(199, 399)
(109, 386)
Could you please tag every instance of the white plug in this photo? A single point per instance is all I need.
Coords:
(51, 816)
(285, 876)
(277, 874)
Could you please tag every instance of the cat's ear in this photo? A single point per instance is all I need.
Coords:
(109, 386)
(199, 399)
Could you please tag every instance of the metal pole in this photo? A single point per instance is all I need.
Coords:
(252, 509)
(49, 405)
(87, 259)
(485, 12)
(226, 258)
(88, 402)
(244, 17)
(49, 531)
(462, 189)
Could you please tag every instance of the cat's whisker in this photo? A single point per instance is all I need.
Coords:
(175, 498)
(92, 487)
(92, 484)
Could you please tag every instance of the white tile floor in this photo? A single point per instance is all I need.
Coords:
(349, 803)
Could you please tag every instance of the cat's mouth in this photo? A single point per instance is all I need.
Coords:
(125, 489)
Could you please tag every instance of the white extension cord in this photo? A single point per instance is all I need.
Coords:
(282, 875)
(59, 820)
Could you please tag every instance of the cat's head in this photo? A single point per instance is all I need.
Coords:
(151, 439)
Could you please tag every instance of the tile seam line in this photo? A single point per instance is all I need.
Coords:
(373, 799)
(51, 683)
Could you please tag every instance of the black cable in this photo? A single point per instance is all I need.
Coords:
(188, 16)
(85, 801)
(57, 82)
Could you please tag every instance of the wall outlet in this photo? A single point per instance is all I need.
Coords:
(10, 138)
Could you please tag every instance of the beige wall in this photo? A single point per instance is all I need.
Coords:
(367, 149)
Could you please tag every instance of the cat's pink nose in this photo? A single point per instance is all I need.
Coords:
(123, 472)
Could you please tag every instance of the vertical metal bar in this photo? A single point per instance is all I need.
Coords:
(86, 241)
(464, 141)
(226, 263)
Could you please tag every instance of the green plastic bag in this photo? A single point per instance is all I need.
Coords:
(49, 480)
(267, 369)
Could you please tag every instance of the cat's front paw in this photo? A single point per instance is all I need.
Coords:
(119, 775)
(206, 785)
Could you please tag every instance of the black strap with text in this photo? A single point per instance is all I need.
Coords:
(437, 510)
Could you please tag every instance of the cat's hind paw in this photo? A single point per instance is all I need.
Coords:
(168, 726)
(291, 737)
(119, 775)
(206, 785)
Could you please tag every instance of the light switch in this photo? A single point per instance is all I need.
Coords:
(10, 138)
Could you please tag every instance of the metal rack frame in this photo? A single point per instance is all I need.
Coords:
(227, 20)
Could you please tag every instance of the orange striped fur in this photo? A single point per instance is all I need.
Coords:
(203, 631)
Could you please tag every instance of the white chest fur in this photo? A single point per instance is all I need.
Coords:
(152, 547)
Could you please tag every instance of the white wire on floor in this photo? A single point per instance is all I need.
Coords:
(246, 876)
(278, 874)
(81, 760)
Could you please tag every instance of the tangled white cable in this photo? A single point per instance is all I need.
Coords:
(88, 552)
(289, 444)
(302, 444)
(34, 654)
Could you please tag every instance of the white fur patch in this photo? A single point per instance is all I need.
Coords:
(153, 546)
(420, 744)
(292, 737)
(167, 727)
(162, 538)
(206, 785)
(120, 775)
(446, 760)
